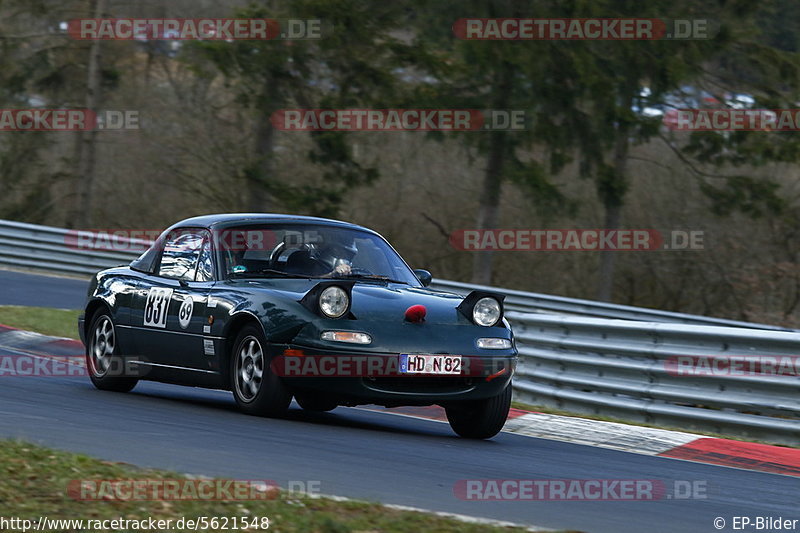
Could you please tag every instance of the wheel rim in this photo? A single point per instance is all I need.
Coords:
(249, 369)
(102, 347)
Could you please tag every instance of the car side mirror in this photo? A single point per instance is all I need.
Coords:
(424, 277)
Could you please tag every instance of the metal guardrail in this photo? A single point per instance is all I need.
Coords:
(57, 250)
(547, 303)
(707, 378)
(578, 355)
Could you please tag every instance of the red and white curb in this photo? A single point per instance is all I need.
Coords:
(638, 439)
(21, 342)
(661, 442)
(600, 434)
(28, 341)
(611, 435)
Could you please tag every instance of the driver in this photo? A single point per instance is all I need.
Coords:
(328, 260)
(336, 256)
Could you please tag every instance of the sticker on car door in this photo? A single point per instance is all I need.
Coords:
(157, 306)
(185, 312)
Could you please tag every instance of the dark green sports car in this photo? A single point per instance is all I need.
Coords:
(272, 307)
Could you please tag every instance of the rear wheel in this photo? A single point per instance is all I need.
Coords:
(311, 403)
(256, 389)
(480, 419)
(104, 363)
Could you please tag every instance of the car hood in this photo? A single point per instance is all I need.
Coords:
(386, 303)
(371, 300)
(379, 309)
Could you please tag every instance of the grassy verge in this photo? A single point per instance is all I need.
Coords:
(55, 322)
(560, 412)
(35, 482)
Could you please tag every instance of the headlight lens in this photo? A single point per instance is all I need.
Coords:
(333, 302)
(486, 312)
(353, 337)
(489, 343)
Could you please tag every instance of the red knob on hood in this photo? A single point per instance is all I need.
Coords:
(416, 313)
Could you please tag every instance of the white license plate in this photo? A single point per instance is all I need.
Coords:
(430, 364)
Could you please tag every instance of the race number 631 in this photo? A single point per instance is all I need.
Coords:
(155, 310)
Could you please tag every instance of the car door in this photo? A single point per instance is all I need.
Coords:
(169, 310)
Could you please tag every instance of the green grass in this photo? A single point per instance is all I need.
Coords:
(55, 322)
(35, 481)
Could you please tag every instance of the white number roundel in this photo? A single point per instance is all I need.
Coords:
(185, 313)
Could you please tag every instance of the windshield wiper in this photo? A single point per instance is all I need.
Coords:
(373, 277)
(267, 272)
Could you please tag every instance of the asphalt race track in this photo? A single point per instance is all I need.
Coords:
(358, 453)
(41, 291)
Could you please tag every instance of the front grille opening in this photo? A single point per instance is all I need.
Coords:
(433, 384)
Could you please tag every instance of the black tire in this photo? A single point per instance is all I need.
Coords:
(104, 363)
(259, 395)
(311, 403)
(480, 419)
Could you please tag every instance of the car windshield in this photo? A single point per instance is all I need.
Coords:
(310, 251)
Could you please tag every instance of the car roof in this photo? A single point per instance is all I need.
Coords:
(146, 262)
(227, 220)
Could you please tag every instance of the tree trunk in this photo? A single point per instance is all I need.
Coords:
(605, 284)
(87, 140)
(489, 209)
(488, 212)
(259, 198)
(613, 195)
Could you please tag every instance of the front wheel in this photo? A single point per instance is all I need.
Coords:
(480, 419)
(103, 361)
(256, 389)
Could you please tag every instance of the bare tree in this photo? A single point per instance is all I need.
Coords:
(86, 144)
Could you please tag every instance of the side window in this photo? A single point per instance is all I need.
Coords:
(181, 255)
(205, 268)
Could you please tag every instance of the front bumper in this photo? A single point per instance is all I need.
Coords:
(352, 379)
